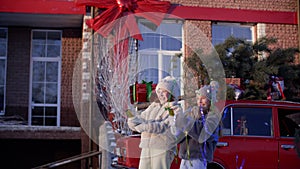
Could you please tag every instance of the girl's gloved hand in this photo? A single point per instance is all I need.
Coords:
(140, 128)
(176, 109)
(133, 122)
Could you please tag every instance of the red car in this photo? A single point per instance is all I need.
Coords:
(256, 135)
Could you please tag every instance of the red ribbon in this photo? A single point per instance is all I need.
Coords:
(120, 15)
(151, 10)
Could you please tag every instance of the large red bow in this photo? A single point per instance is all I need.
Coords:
(151, 10)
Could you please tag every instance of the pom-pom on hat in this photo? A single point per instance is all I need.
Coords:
(169, 84)
(204, 91)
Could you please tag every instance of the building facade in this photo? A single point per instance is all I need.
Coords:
(42, 41)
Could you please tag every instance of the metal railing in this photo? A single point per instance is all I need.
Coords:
(69, 160)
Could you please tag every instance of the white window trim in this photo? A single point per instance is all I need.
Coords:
(59, 60)
(160, 52)
(5, 72)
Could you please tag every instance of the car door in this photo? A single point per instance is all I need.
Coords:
(289, 122)
(248, 140)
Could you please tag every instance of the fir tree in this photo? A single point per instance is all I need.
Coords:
(254, 64)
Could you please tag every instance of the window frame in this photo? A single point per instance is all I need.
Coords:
(231, 117)
(45, 60)
(284, 116)
(159, 53)
(231, 25)
(2, 112)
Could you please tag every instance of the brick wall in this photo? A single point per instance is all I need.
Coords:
(287, 35)
(18, 65)
(197, 34)
(18, 72)
(71, 47)
(269, 5)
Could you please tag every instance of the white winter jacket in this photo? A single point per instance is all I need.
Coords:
(154, 126)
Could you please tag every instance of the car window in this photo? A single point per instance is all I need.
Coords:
(226, 125)
(289, 121)
(247, 121)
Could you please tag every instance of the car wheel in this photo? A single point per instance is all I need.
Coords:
(214, 165)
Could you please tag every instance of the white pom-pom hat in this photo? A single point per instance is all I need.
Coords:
(169, 84)
(204, 91)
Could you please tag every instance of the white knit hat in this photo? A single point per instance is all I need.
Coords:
(169, 83)
(204, 91)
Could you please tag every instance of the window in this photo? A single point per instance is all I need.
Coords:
(226, 122)
(3, 56)
(247, 121)
(158, 53)
(289, 121)
(45, 78)
(222, 31)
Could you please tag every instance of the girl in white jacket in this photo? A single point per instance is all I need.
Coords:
(157, 142)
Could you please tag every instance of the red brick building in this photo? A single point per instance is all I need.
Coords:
(40, 42)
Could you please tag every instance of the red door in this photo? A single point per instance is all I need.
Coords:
(288, 124)
(248, 141)
(288, 157)
(247, 152)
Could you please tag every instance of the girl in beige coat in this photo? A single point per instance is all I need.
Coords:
(157, 142)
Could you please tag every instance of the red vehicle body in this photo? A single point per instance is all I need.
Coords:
(256, 135)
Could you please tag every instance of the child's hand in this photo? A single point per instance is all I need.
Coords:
(176, 109)
(140, 128)
(135, 120)
(170, 110)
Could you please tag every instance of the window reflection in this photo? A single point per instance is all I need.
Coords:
(222, 31)
(38, 93)
(52, 72)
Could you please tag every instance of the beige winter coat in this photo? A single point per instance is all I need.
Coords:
(154, 127)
